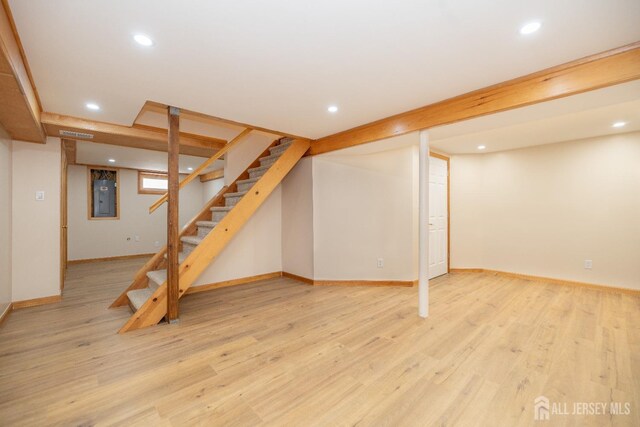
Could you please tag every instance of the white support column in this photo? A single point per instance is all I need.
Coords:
(423, 227)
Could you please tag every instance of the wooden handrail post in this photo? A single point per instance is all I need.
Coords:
(203, 166)
(173, 233)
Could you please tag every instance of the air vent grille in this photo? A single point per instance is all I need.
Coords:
(72, 134)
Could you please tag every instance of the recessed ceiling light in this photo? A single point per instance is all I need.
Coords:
(530, 28)
(92, 106)
(143, 40)
(332, 109)
(189, 169)
(481, 147)
(112, 160)
(618, 124)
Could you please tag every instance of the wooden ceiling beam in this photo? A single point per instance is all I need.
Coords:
(218, 173)
(593, 72)
(20, 105)
(158, 107)
(206, 140)
(69, 147)
(148, 138)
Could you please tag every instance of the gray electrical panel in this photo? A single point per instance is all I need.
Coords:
(104, 198)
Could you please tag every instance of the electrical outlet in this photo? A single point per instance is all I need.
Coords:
(380, 262)
(40, 196)
(588, 264)
(137, 238)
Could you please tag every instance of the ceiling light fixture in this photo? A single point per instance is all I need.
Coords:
(112, 160)
(143, 40)
(481, 147)
(92, 106)
(530, 28)
(332, 109)
(189, 169)
(618, 124)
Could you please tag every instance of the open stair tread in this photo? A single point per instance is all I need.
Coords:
(238, 194)
(193, 240)
(207, 224)
(259, 168)
(158, 276)
(221, 208)
(138, 297)
(270, 157)
(247, 181)
(282, 145)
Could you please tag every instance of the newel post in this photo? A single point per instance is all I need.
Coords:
(173, 234)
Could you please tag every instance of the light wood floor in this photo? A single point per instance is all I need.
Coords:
(283, 353)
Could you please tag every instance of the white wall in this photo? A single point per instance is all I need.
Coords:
(256, 249)
(5, 220)
(297, 220)
(211, 188)
(110, 238)
(364, 208)
(544, 210)
(243, 154)
(36, 224)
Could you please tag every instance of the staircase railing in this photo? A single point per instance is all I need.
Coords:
(203, 166)
(155, 308)
(158, 260)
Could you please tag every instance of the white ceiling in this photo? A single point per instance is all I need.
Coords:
(91, 153)
(580, 116)
(279, 64)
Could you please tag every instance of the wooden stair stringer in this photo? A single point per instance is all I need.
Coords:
(156, 262)
(214, 243)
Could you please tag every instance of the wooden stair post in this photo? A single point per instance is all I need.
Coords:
(210, 247)
(173, 234)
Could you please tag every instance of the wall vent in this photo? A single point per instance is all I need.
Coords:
(76, 134)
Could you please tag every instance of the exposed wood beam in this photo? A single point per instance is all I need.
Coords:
(218, 173)
(594, 72)
(193, 136)
(23, 55)
(69, 147)
(173, 233)
(223, 151)
(20, 107)
(107, 133)
(187, 114)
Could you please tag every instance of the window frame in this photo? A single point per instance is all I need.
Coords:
(153, 175)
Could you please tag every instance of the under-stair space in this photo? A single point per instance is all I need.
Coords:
(206, 235)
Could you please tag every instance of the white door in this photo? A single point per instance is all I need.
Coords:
(438, 217)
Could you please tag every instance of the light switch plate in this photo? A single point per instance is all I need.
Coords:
(39, 196)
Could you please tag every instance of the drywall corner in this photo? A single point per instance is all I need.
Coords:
(297, 220)
(5, 219)
(35, 223)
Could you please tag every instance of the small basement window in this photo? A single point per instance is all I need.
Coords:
(104, 193)
(152, 183)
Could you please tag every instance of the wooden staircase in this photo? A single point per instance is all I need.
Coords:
(209, 232)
